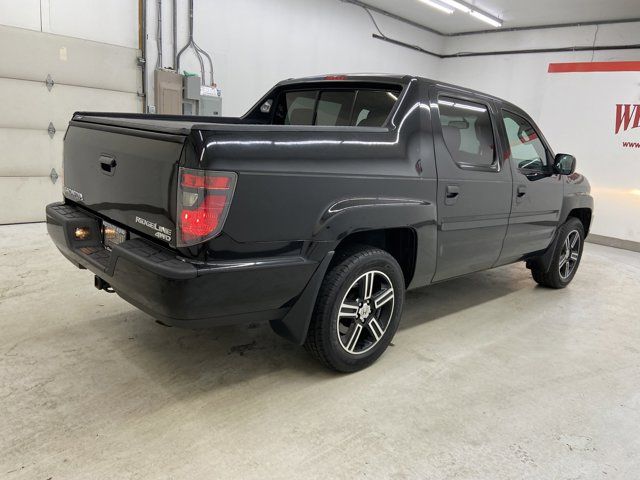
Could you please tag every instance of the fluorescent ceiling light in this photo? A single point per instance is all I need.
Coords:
(438, 6)
(486, 18)
(449, 6)
(457, 5)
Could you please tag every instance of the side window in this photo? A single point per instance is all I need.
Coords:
(527, 150)
(467, 131)
(299, 107)
(334, 108)
(372, 107)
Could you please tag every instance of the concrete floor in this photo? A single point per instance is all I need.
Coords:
(490, 377)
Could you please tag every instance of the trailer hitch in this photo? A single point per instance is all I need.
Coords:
(100, 284)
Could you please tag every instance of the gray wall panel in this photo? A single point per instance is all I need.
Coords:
(30, 55)
(88, 76)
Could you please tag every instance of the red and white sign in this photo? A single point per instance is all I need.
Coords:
(592, 110)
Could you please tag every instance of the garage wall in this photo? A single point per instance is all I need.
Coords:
(522, 78)
(89, 49)
(114, 21)
(256, 43)
(575, 111)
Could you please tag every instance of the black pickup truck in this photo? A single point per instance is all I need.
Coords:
(318, 209)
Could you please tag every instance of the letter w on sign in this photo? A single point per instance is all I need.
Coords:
(625, 113)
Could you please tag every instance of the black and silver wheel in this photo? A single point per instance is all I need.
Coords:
(358, 309)
(567, 256)
(568, 260)
(365, 312)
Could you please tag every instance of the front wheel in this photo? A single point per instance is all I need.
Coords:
(567, 256)
(358, 309)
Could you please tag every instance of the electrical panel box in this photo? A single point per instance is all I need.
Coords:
(210, 101)
(198, 99)
(192, 87)
(168, 92)
(210, 106)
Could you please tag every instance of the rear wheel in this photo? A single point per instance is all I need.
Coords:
(567, 256)
(358, 309)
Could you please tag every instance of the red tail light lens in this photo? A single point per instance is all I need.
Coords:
(204, 198)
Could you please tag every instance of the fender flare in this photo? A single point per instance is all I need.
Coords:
(570, 203)
(359, 215)
(573, 201)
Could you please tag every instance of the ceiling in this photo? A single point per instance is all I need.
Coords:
(514, 13)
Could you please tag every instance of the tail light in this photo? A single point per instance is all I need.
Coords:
(204, 198)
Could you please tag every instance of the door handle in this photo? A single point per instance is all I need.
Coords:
(521, 191)
(107, 165)
(451, 194)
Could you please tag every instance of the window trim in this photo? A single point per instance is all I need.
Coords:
(549, 153)
(496, 166)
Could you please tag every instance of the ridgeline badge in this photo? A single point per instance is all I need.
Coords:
(160, 232)
(72, 194)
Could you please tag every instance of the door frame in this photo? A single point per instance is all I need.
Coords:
(468, 173)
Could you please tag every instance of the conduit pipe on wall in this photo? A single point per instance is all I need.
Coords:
(578, 48)
(174, 24)
(386, 13)
(198, 51)
(142, 26)
(581, 48)
(159, 35)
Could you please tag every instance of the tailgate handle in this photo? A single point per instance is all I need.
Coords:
(108, 165)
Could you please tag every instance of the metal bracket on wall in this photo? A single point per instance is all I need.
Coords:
(51, 130)
(49, 82)
(141, 61)
(54, 176)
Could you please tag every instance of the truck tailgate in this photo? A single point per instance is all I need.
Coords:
(127, 175)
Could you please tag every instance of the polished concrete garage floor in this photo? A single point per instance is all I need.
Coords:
(489, 377)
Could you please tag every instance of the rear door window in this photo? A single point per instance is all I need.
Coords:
(467, 131)
(347, 107)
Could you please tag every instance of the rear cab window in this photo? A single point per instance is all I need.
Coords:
(336, 107)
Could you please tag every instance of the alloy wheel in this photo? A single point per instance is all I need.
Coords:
(365, 312)
(569, 254)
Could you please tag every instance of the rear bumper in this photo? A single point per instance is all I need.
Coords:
(175, 290)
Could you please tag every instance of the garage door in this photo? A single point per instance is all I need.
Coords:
(44, 78)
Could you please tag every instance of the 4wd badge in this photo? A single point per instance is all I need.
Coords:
(163, 233)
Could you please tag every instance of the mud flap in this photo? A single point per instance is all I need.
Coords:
(295, 324)
(543, 261)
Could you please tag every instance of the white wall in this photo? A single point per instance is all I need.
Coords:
(108, 21)
(521, 78)
(576, 112)
(256, 43)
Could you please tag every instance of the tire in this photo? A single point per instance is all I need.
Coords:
(563, 265)
(355, 316)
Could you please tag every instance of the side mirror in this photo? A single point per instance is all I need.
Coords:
(564, 164)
